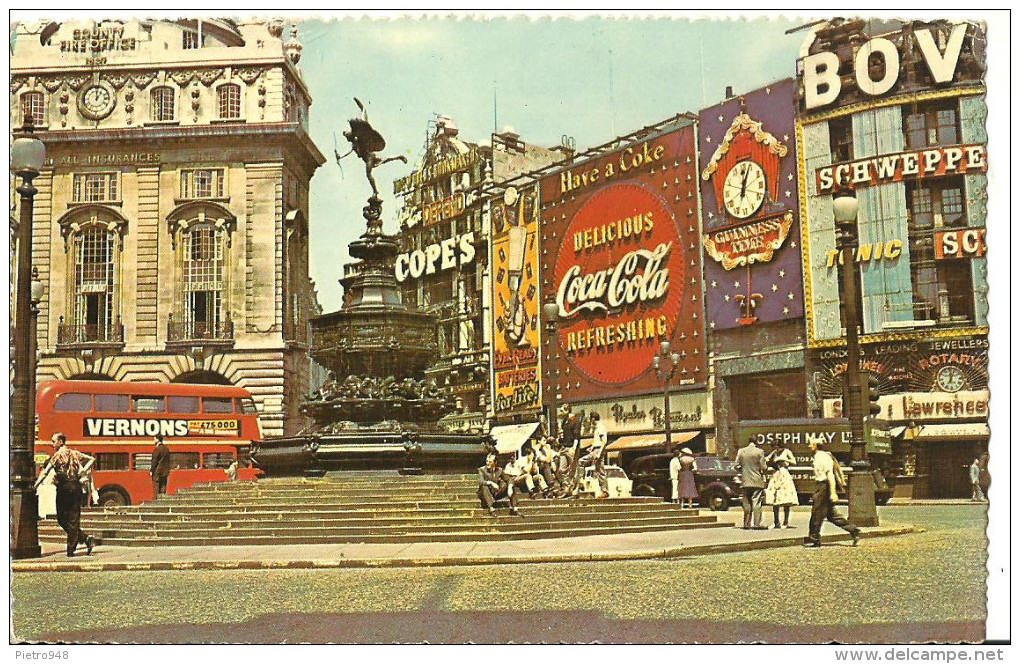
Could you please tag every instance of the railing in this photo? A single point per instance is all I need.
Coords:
(73, 334)
(205, 331)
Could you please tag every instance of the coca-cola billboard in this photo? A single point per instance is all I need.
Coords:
(621, 260)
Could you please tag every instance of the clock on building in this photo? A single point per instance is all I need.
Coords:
(744, 189)
(950, 379)
(96, 101)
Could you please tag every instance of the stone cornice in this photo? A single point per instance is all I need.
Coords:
(281, 130)
(80, 69)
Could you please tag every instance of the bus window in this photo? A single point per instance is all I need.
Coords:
(218, 459)
(113, 461)
(143, 461)
(247, 406)
(183, 404)
(184, 460)
(217, 405)
(149, 404)
(112, 403)
(73, 403)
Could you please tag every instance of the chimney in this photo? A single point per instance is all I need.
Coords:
(729, 92)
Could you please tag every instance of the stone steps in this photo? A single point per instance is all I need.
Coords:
(367, 507)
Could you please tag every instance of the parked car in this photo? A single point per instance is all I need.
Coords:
(718, 483)
(619, 484)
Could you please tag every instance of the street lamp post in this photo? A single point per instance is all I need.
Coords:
(27, 155)
(861, 492)
(665, 365)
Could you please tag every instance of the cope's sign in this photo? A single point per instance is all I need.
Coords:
(445, 255)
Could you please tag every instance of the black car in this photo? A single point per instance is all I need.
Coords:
(718, 483)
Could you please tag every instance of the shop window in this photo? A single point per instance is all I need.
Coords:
(933, 123)
(96, 188)
(229, 101)
(33, 105)
(942, 289)
(162, 99)
(841, 139)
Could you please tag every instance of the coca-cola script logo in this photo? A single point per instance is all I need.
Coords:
(619, 274)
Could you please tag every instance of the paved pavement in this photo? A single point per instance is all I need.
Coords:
(633, 546)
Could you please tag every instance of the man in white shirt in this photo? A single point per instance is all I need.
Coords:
(824, 499)
(594, 457)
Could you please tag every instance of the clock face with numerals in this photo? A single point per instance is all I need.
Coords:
(96, 102)
(950, 379)
(744, 189)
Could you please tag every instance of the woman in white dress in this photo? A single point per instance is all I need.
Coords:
(781, 491)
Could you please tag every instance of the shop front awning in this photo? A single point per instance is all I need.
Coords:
(510, 437)
(976, 431)
(650, 441)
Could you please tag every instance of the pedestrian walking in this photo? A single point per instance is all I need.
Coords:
(985, 477)
(823, 501)
(751, 464)
(781, 491)
(681, 472)
(976, 494)
(159, 468)
(68, 467)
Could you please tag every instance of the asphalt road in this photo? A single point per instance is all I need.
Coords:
(927, 586)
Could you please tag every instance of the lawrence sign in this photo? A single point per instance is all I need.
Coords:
(901, 166)
(623, 266)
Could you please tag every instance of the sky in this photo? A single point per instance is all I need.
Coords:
(550, 78)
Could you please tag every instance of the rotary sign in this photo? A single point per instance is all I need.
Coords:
(621, 261)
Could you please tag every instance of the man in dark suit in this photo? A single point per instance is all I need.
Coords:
(751, 464)
(571, 429)
(493, 483)
(160, 468)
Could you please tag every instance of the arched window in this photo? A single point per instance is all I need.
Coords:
(203, 281)
(162, 99)
(201, 235)
(92, 235)
(229, 98)
(93, 311)
(33, 104)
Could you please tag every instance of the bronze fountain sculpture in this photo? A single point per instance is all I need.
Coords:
(377, 410)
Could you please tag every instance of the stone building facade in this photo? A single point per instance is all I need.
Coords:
(171, 224)
(894, 113)
(443, 269)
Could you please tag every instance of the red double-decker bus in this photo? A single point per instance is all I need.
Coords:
(205, 427)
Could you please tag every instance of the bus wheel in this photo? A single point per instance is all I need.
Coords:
(113, 498)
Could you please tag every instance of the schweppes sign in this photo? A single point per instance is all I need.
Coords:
(122, 427)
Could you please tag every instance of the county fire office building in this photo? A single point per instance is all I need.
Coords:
(170, 229)
(896, 113)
